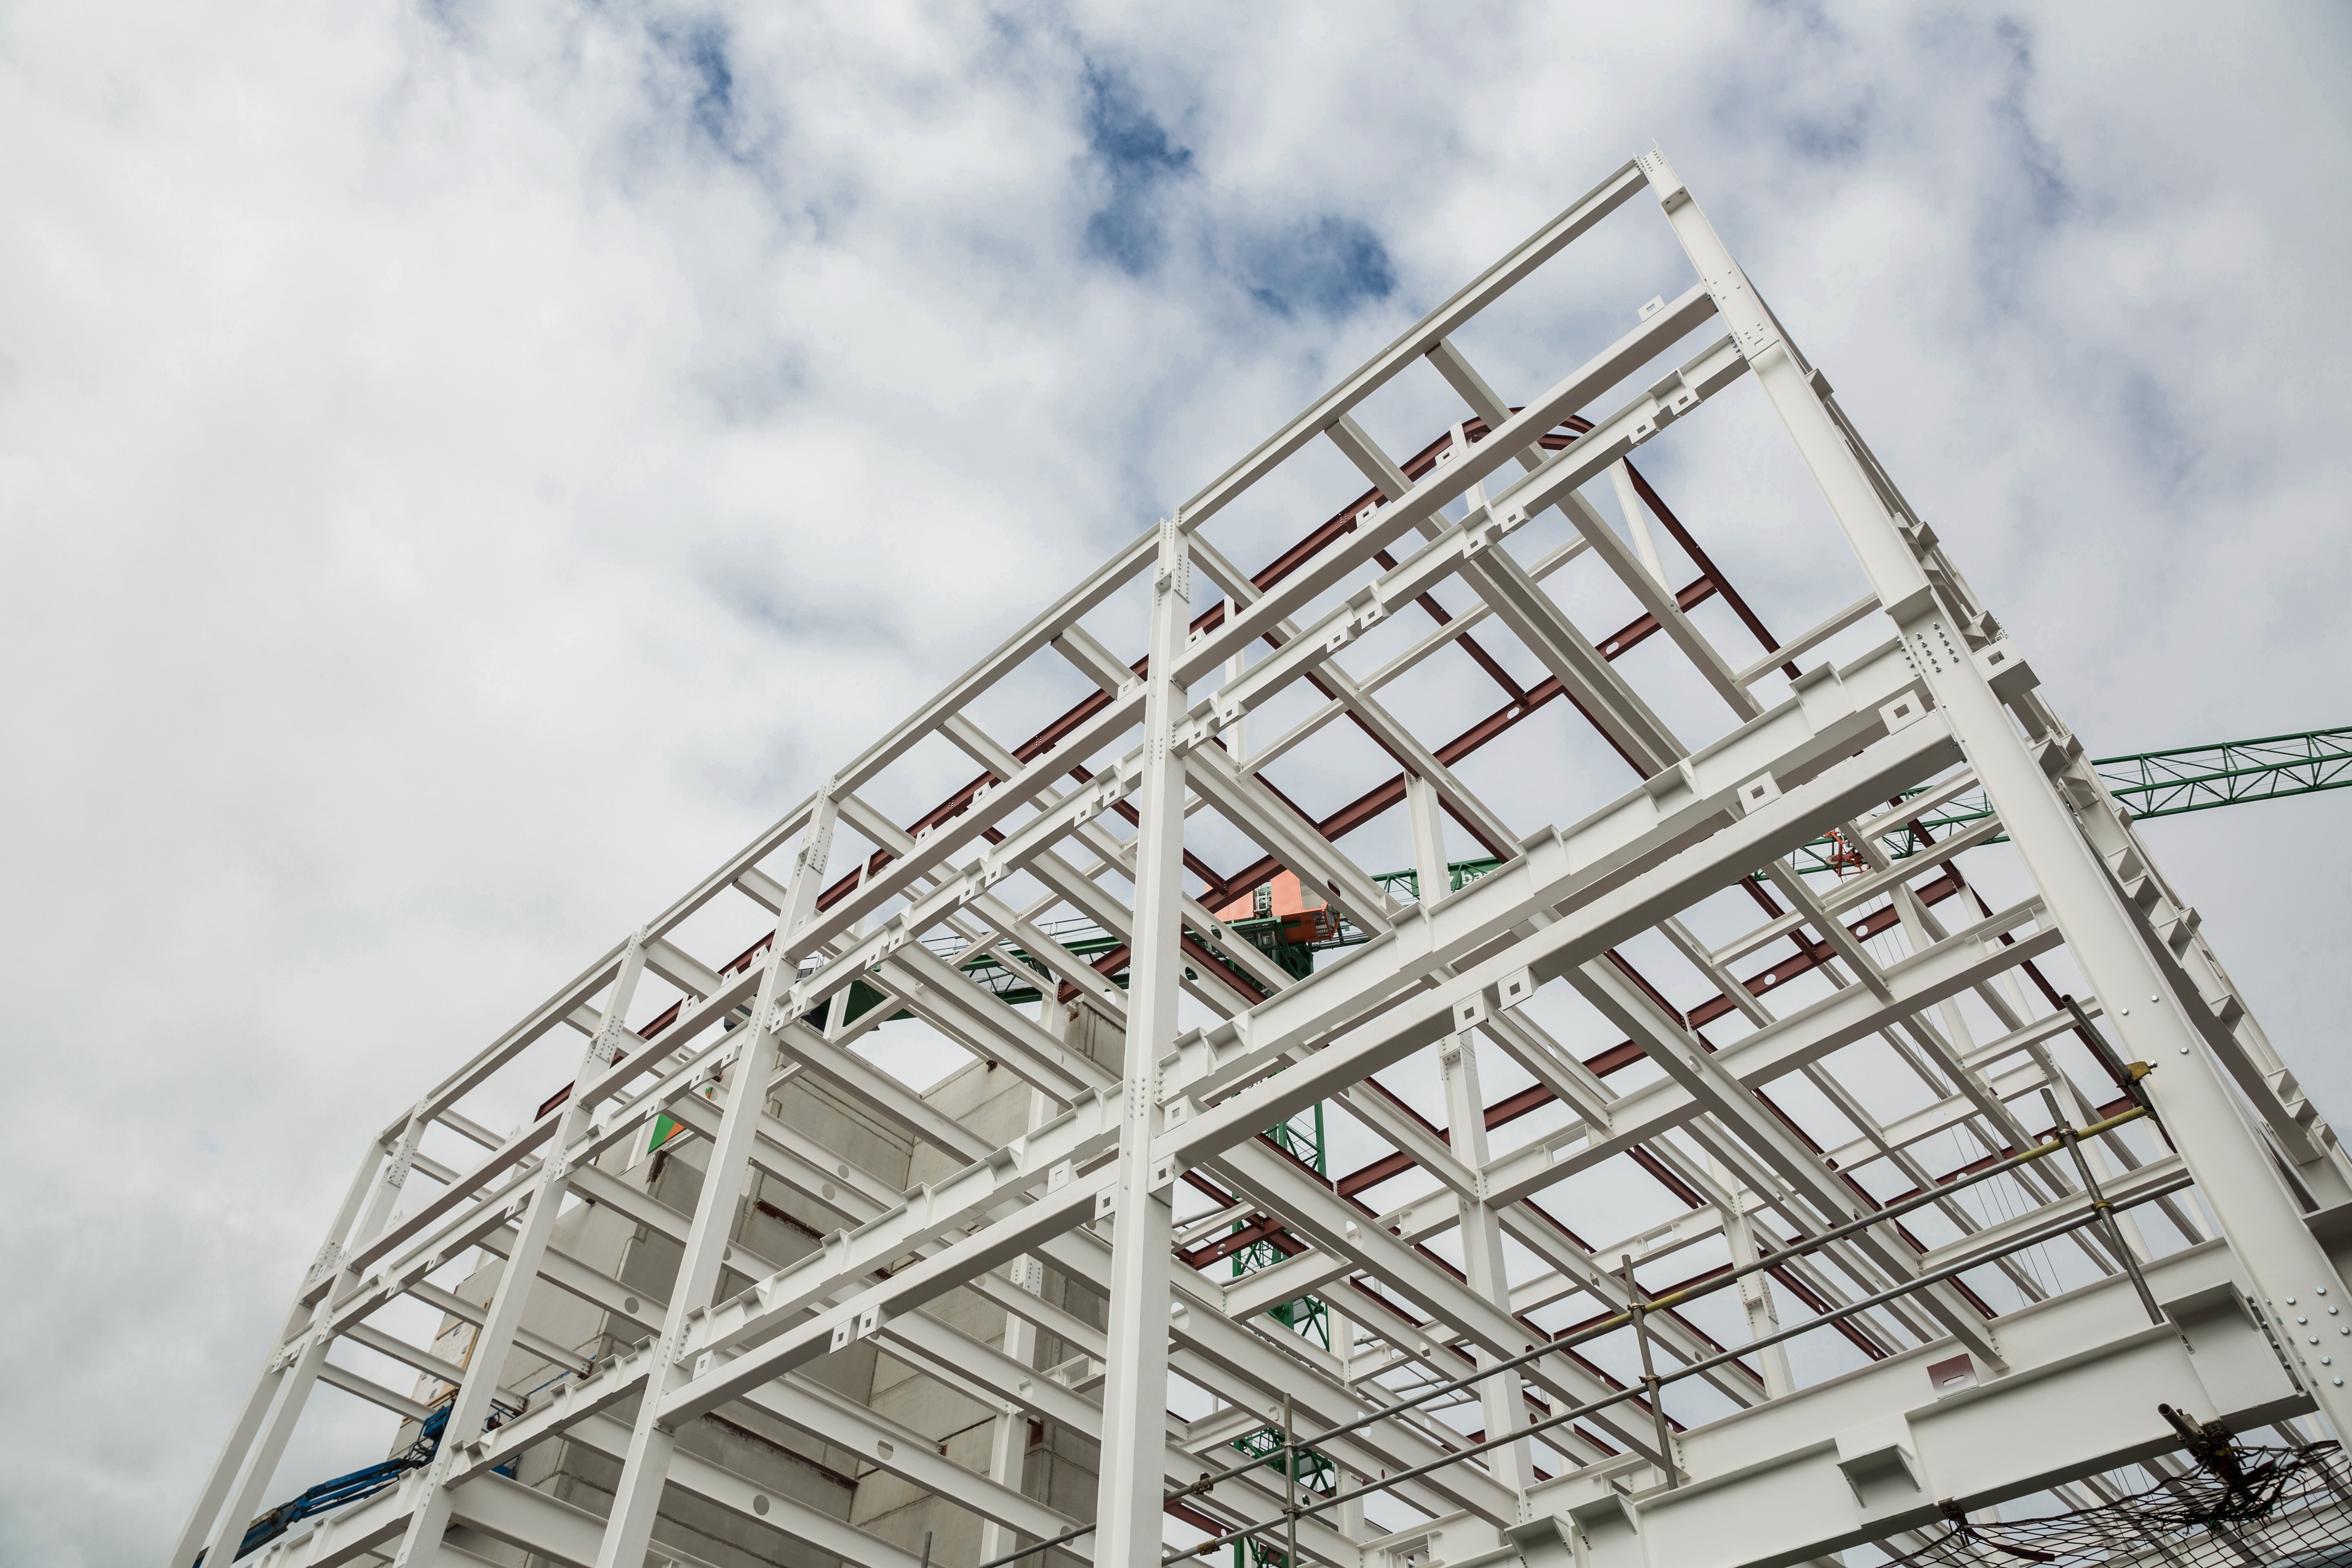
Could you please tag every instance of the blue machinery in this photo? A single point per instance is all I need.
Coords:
(333, 1494)
(361, 1483)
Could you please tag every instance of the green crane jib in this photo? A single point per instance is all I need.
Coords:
(2148, 784)
(2166, 784)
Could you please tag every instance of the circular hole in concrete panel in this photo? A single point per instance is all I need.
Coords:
(630, 1305)
(760, 1503)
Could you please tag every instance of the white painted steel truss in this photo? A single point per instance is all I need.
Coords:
(1795, 1055)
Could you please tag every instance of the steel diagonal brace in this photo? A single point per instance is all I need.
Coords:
(1216, 1353)
(1564, 471)
(1591, 681)
(1242, 799)
(681, 968)
(885, 1095)
(1582, 931)
(1355, 699)
(1289, 838)
(1831, 929)
(825, 1413)
(938, 1349)
(1392, 1122)
(933, 851)
(799, 1161)
(1653, 595)
(1589, 1275)
(1045, 864)
(960, 885)
(723, 1378)
(1950, 967)
(950, 1002)
(1714, 1088)
(1256, 1361)
(1583, 1091)
(510, 1160)
(1859, 890)
(1312, 1211)
(1449, 482)
(1835, 714)
(490, 1215)
(784, 1337)
(1373, 1110)
(1374, 373)
(992, 1189)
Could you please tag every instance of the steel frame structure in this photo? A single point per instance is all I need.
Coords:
(1495, 1389)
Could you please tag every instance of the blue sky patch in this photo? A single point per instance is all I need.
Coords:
(1135, 156)
(1330, 268)
(701, 50)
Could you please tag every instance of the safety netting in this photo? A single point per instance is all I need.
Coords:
(2261, 1506)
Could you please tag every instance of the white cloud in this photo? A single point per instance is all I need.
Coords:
(465, 467)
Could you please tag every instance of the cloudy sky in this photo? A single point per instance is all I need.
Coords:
(464, 467)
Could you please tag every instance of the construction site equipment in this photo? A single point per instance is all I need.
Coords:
(329, 1495)
(1787, 1110)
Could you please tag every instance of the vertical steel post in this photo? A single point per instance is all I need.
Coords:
(202, 1519)
(1289, 1484)
(420, 1544)
(301, 1370)
(1135, 1398)
(1637, 1308)
(1007, 1445)
(1501, 1398)
(1755, 1290)
(2103, 1209)
(2232, 1167)
(637, 1497)
(1428, 818)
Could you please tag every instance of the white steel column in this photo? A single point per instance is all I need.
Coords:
(637, 1497)
(1637, 523)
(1500, 1397)
(205, 1531)
(420, 1544)
(1429, 868)
(1134, 1400)
(2233, 1169)
(1008, 1447)
(302, 1370)
(1755, 1290)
